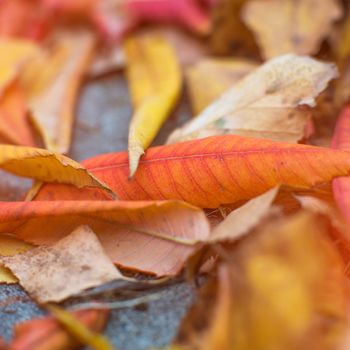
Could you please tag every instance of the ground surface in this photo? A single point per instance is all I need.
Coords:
(102, 126)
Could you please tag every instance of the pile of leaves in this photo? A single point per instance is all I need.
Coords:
(253, 192)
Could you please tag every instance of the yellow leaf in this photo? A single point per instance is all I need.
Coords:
(266, 103)
(154, 77)
(52, 82)
(15, 53)
(290, 26)
(77, 329)
(210, 78)
(282, 288)
(9, 246)
(46, 166)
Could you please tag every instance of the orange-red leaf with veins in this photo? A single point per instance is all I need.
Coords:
(212, 171)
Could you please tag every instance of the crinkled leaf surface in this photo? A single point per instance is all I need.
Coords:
(71, 265)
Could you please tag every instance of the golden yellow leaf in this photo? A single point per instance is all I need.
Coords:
(10, 245)
(283, 288)
(52, 83)
(270, 102)
(210, 78)
(154, 77)
(71, 265)
(290, 26)
(46, 166)
(15, 53)
(79, 330)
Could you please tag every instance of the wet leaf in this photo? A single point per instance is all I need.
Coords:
(71, 265)
(154, 87)
(300, 26)
(153, 237)
(270, 102)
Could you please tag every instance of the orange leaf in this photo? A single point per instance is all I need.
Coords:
(51, 335)
(341, 141)
(14, 123)
(154, 237)
(212, 171)
(52, 83)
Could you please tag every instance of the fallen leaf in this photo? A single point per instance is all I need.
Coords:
(270, 102)
(52, 83)
(43, 165)
(71, 265)
(9, 246)
(282, 288)
(341, 141)
(153, 237)
(243, 219)
(51, 335)
(300, 26)
(15, 127)
(210, 172)
(15, 54)
(23, 18)
(184, 12)
(229, 34)
(155, 89)
(79, 330)
(210, 78)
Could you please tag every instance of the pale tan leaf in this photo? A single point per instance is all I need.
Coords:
(271, 102)
(291, 26)
(242, 220)
(54, 273)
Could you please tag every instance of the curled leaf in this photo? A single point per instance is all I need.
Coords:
(270, 102)
(43, 165)
(300, 26)
(154, 87)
